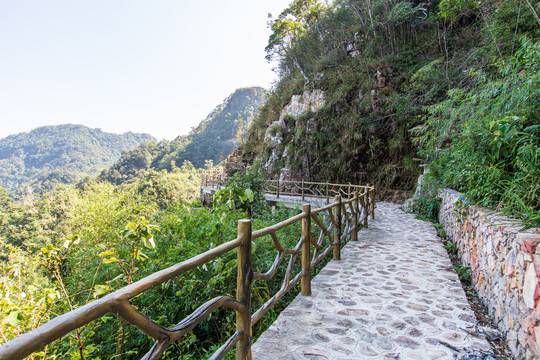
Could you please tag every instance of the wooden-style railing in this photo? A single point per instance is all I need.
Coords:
(210, 178)
(303, 189)
(334, 224)
(314, 189)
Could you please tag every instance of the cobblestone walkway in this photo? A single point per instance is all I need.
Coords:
(394, 295)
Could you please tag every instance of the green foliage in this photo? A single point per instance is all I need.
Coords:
(72, 245)
(464, 273)
(381, 65)
(78, 244)
(486, 141)
(170, 187)
(440, 230)
(249, 185)
(405, 11)
(234, 198)
(25, 295)
(291, 25)
(453, 9)
(364, 125)
(426, 202)
(451, 248)
(52, 155)
(129, 252)
(215, 137)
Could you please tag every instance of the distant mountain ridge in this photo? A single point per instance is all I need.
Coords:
(213, 139)
(50, 155)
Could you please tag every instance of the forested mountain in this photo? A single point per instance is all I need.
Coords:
(50, 155)
(213, 139)
(363, 84)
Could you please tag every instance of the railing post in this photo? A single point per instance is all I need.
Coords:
(354, 234)
(366, 207)
(306, 250)
(372, 193)
(243, 290)
(277, 188)
(337, 230)
(349, 193)
(303, 197)
(327, 196)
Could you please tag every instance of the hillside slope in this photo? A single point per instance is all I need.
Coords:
(213, 139)
(50, 155)
(357, 78)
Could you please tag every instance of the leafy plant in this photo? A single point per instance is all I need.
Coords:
(250, 185)
(486, 141)
(426, 203)
(464, 273)
(234, 198)
(451, 248)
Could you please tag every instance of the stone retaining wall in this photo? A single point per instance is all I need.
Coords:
(505, 267)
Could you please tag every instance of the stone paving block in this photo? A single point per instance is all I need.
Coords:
(394, 295)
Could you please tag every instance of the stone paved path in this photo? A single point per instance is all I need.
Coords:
(294, 201)
(394, 295)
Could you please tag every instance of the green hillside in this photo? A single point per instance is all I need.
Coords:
(213, 139)
(395, 84)
(49, 155)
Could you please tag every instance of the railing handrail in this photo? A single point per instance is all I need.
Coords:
(215, 178)
(353, 213)
(315, 183)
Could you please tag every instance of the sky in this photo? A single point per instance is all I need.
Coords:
(149, 66)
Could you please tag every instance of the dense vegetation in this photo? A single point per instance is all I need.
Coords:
(493, 130)
(78, 244)
(72, 244)
(396, 70)
(212, 140)
(51, 155)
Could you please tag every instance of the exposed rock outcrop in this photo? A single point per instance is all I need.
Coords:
(299, 105)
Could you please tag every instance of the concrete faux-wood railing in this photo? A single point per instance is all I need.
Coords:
(337, 222)
(213, 178)
(305, 189)
(216, 180)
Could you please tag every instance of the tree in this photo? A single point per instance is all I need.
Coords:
(290, 26)
(5, 206)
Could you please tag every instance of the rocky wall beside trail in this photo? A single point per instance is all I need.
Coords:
(505, 268)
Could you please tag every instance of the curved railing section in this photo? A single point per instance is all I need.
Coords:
(324, 231)
(213, 178)
(303, 189)
(306, 189)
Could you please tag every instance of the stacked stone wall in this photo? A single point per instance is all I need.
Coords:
(505, 268)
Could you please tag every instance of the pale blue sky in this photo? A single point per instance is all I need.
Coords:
(154, 66)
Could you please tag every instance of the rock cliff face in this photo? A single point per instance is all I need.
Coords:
(340, 127)
(300, 104)
(309, 101)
